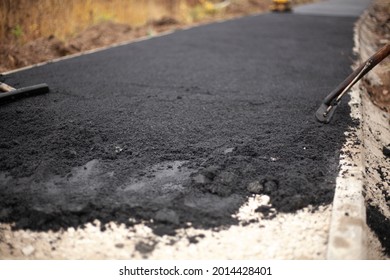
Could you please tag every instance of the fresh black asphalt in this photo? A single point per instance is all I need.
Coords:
(174, 129)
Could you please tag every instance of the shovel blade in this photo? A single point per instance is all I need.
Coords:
(324, 114)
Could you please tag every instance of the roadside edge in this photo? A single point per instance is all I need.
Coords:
(347, 234)
(348, 229)
(350, 236)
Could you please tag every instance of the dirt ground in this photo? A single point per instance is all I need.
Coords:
(373, 33)
(97, 36)
(376, 31)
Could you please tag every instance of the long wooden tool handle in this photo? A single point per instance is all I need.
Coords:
(5, 87)
(359, 72)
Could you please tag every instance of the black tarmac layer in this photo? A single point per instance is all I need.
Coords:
(179, 129)
(380, 224)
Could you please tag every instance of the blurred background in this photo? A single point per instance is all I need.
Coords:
(32, 31)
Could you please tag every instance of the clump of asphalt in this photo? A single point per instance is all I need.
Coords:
(181, 137)
(380, 224)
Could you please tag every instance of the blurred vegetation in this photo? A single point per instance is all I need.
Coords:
(33, 31)
(31, 19)
(26, 20)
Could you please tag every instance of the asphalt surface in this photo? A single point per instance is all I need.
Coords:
(173, 130)
(343, 8)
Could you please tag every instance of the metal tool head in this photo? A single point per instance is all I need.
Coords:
(325, 113)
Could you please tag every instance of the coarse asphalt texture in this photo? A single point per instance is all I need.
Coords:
(179, 129)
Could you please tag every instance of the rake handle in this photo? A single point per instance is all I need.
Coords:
(23, 92)
(358, 73)
(6, 88)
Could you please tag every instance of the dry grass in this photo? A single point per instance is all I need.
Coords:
(22, 21)
(25, 20)
(33, 31)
